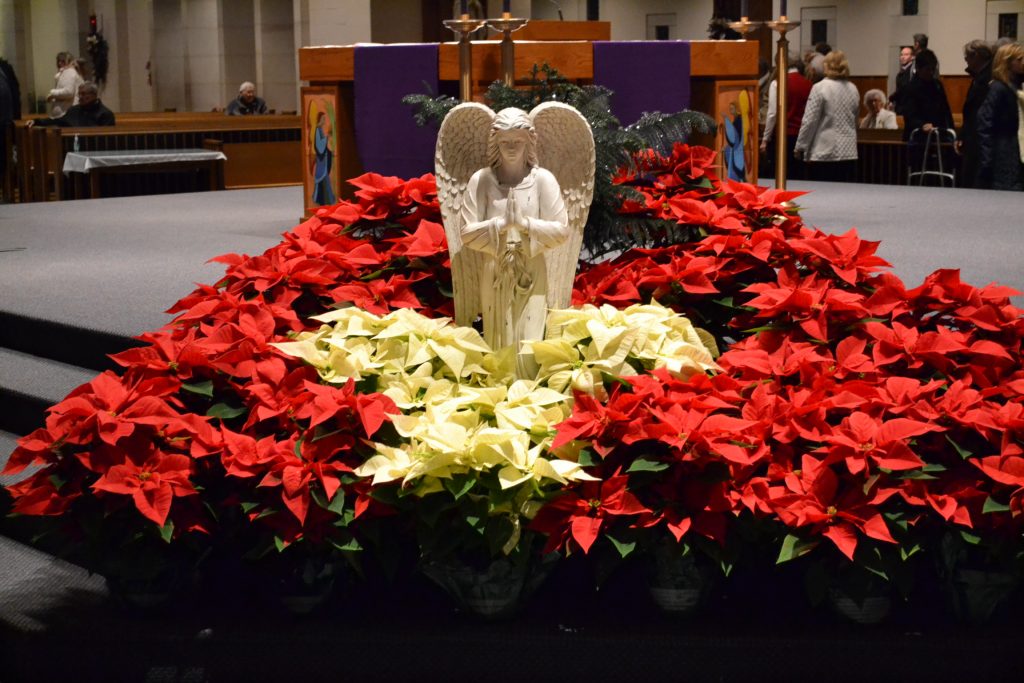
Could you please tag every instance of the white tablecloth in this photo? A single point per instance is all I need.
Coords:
(83, 162)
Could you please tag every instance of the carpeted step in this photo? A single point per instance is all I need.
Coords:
(10, 526)
(7, 443)
(30, 384)
(63, 342)
(34, 583)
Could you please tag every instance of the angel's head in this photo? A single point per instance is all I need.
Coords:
(512, 139)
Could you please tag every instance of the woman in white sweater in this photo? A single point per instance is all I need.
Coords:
(828, 132)
(65, 87)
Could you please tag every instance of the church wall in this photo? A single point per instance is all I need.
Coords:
(396, 21)
(276, 62)
(168, 60)
(52, 29)
(204, 82)
(238, 36)
(135, 32)
(629, 20)
(327, 22)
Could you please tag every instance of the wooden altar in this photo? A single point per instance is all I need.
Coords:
(720, 71)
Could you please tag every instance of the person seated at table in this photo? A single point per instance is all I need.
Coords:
(246, 102)
(878, 116)
(89, 111)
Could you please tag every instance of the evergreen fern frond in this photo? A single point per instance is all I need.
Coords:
(660, 131)
(430, 109)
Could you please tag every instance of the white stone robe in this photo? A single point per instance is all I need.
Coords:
(513, 282)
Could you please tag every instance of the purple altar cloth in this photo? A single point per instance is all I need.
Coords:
(645, 75)
(388, 139)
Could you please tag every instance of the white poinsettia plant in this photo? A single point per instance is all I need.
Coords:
(468, 426)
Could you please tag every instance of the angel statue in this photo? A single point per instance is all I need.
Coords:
(515, 189)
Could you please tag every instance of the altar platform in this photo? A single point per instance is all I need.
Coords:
(79, 279)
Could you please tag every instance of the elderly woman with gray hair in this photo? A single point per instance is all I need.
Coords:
(878, 116)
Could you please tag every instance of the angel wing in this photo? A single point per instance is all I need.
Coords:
(565, 146)
(461, 151)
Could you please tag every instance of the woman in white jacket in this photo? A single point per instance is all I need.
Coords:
(65, 88)
(828, 132)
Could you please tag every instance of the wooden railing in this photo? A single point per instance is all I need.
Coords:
(881, 157)
(262, 151)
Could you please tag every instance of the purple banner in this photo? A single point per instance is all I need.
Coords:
(389, 141)
(645, 75)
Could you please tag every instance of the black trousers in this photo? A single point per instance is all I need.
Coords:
(833, 171)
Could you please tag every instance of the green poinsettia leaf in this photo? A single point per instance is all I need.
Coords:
(167, 531)
(907, 553)
(337, 504)
(352, 546)
(644, 465)
(915, 474)
(624, 548)
(586, 458)
(964, 453)
(459, 486)
(225, 412)
(476, 523)
(794, 547)
(201, 388)
(973, 539)
(992, 505)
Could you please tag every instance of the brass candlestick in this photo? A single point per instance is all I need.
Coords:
(506, 25)
(464, 27)
(782, 26)
(745, 26)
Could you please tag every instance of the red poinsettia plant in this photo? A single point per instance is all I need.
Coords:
(858, 419)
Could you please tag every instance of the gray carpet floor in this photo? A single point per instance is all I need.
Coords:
(116, 264)
(922, 229)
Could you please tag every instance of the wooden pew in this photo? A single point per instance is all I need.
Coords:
(262, 151)
(8, 181)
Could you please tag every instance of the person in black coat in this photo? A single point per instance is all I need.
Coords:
(925, 108)
(89, 111)
(924, 101)
(999, 153)
(978, 56)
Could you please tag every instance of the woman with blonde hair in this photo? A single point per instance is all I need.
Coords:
(828, 132)
(878, 116)
(65, 85)
(1001, 123)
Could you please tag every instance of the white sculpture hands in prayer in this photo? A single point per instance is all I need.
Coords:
(515, 189)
